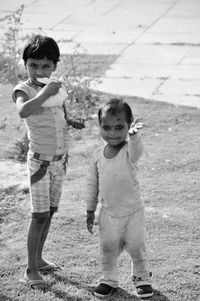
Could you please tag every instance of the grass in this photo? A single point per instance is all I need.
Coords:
(169, 178)
(85, 64)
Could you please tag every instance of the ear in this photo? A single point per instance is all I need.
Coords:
(55, 66)
(132, 119)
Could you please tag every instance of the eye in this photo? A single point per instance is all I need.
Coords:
(34, 66)
(119, 127)
(46, 67)
(106, 127)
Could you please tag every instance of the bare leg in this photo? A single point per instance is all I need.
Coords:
(33, 240)
(45, 230)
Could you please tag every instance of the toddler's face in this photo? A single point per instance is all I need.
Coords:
(39, 68)
(114, 128)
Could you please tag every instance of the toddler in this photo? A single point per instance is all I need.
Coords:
(112, 178)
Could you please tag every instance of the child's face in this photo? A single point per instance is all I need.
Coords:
(39, 68)
(114, 128)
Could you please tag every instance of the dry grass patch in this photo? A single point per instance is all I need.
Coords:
(169, 177)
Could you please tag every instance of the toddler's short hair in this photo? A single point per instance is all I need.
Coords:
(39, 47)
(114, 106)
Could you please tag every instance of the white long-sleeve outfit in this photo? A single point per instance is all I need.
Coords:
(121, 218)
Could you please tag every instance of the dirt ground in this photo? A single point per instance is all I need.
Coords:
(13, 174)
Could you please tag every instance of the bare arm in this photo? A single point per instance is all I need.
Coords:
(27, 107)
(135, 141)
(92, 187)
(91, 195)
(77, 123)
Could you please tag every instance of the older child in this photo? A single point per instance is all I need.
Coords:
(113, 177)
(47, 127)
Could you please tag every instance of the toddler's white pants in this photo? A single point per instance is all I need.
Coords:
(116, 234)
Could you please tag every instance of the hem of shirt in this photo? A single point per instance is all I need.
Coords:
(131, 212)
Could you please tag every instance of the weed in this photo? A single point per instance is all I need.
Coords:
(10, 200)
(81, 73)
(21, 148)
(10, 56)
(77, 71)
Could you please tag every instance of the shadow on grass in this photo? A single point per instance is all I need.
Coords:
(121, 294)
(62, 295)
(158, 296)
(118, 294)
(6, 298)
(67, 281)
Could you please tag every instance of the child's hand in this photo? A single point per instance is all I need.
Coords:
(51, 88)
(136, 125)
(90, 221)
(77, 123)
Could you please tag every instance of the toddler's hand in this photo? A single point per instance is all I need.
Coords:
(90, 221)
(136, 125)
(77, 123)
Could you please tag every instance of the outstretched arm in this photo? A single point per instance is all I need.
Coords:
(135, 141)
(77, 123)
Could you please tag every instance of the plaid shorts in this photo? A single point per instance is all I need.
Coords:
(45, 194)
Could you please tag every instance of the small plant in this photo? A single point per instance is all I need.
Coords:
(21, 148)
(77, 74)
(10, 56)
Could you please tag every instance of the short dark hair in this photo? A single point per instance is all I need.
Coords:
(39, 47)
(114, 106)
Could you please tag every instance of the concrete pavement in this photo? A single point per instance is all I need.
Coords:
(157, 41)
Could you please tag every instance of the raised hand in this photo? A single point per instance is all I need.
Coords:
(136, 125)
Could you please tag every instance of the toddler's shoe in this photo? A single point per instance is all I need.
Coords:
(143, 287)
(103, 290)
